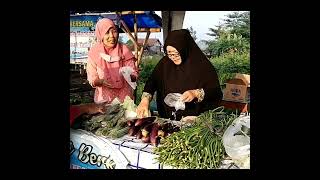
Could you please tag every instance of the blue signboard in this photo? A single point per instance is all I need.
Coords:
(83, 23)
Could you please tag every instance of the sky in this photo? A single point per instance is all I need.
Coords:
(200, 21)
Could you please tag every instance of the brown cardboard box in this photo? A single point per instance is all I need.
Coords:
(244, 77)
(236, 90)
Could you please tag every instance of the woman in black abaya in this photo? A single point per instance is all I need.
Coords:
(185, 70)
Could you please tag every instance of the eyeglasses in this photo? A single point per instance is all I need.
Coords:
(173, 55)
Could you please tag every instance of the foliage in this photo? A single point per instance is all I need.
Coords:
(230, 63)
(233, 34)
(193, 33)
(147, 65)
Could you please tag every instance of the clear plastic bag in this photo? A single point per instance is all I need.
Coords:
(126, 71)
(237, 142)
(130, 107)
(174, 100)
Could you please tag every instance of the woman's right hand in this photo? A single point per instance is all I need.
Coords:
(102, 82)
(143, 108)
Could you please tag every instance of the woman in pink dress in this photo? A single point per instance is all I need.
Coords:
(105, 59)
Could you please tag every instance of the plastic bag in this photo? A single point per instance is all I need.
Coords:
(174, 100)
(128, 104)
(188, 120)
(115, 101)
(130, 107)
(237, 142)
(126, 71)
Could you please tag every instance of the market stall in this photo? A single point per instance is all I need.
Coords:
(118, 140)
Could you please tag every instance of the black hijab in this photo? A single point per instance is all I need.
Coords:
(195, 72)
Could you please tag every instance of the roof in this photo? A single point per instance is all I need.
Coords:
(151, 41)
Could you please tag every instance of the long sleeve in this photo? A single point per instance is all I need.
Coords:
(212, 93)
(151, 84)
(130, 61)
(92, 71)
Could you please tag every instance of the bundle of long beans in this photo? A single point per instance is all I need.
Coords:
(198, 146)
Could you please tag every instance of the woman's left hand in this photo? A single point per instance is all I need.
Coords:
(133, 78)
(189, 95)
(93, 108)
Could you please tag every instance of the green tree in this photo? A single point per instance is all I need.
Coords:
(129, 42)
(130, 45)
(230, 63)
(231, 46)
(239, 23)
(226, 43)
(233, 34)
(219, 31)
(193, 33)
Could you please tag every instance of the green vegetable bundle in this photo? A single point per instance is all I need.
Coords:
(198, 146)
(113, 124)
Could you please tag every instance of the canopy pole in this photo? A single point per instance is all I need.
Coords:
(136, 47)
(127, 30)
(143, 46)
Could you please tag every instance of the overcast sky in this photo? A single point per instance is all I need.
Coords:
(200, 21)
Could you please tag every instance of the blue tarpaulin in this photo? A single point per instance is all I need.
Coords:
(143, 20)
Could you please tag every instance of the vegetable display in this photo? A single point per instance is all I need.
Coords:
(112, 124)
(151, 129)
(198, 146)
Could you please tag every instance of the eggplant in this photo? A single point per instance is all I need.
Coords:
(131, 122)
(157, 141)
(139, 134)
(176, 129)
(146, 139)
(133, 130)
(144, 133)
(144, 121)
(166, 127)
(154, 134)
(147, 129)
(161, 133)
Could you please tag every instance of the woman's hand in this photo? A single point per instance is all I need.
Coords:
(189, 95)
(133, 78)
(91, 108)
(101, 83)
(143, 108)
(95, 108)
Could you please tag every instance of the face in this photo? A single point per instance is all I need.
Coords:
(174, 55)
(110, 38)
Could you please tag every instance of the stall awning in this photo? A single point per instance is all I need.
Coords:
(145, 20)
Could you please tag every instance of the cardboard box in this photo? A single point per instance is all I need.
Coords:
(244, 77)
(238, 89)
